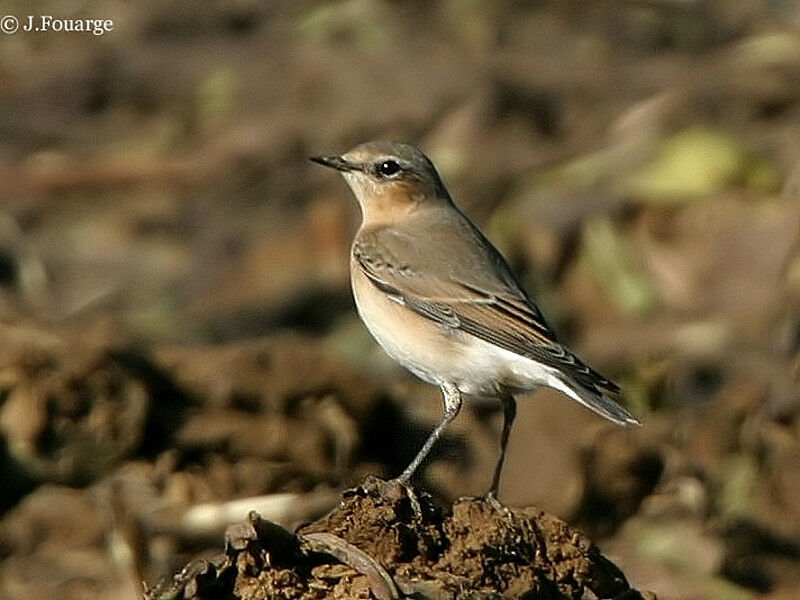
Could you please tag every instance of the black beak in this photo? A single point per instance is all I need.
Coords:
(336, 162)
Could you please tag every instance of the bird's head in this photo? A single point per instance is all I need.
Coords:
(388, 177)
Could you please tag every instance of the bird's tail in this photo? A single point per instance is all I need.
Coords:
(601, 403)
(595, 392)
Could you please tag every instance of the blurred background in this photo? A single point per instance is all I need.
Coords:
(176, 323)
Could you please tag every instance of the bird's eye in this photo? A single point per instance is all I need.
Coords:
(388, 168)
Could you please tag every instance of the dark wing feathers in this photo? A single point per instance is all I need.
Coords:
(464, 302)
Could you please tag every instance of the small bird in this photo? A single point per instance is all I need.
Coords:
(441, 300)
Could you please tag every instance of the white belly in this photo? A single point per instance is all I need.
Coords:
(438, 355)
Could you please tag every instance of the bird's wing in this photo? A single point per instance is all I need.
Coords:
(476, 294)
(475, 284)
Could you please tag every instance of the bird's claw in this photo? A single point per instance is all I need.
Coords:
(411, 495)
(491, 499)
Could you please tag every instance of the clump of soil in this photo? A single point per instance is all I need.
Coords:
(383, 541)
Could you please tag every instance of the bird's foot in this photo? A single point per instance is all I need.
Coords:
(491, 499)
(394, 489)
(416, 508)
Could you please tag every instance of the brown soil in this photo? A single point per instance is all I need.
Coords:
(381, 542)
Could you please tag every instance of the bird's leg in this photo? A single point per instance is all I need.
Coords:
(452, 404)
(509, 413)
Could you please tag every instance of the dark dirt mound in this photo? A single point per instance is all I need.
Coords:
(380, 542)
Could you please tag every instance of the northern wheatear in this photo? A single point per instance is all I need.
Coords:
(441, 300)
